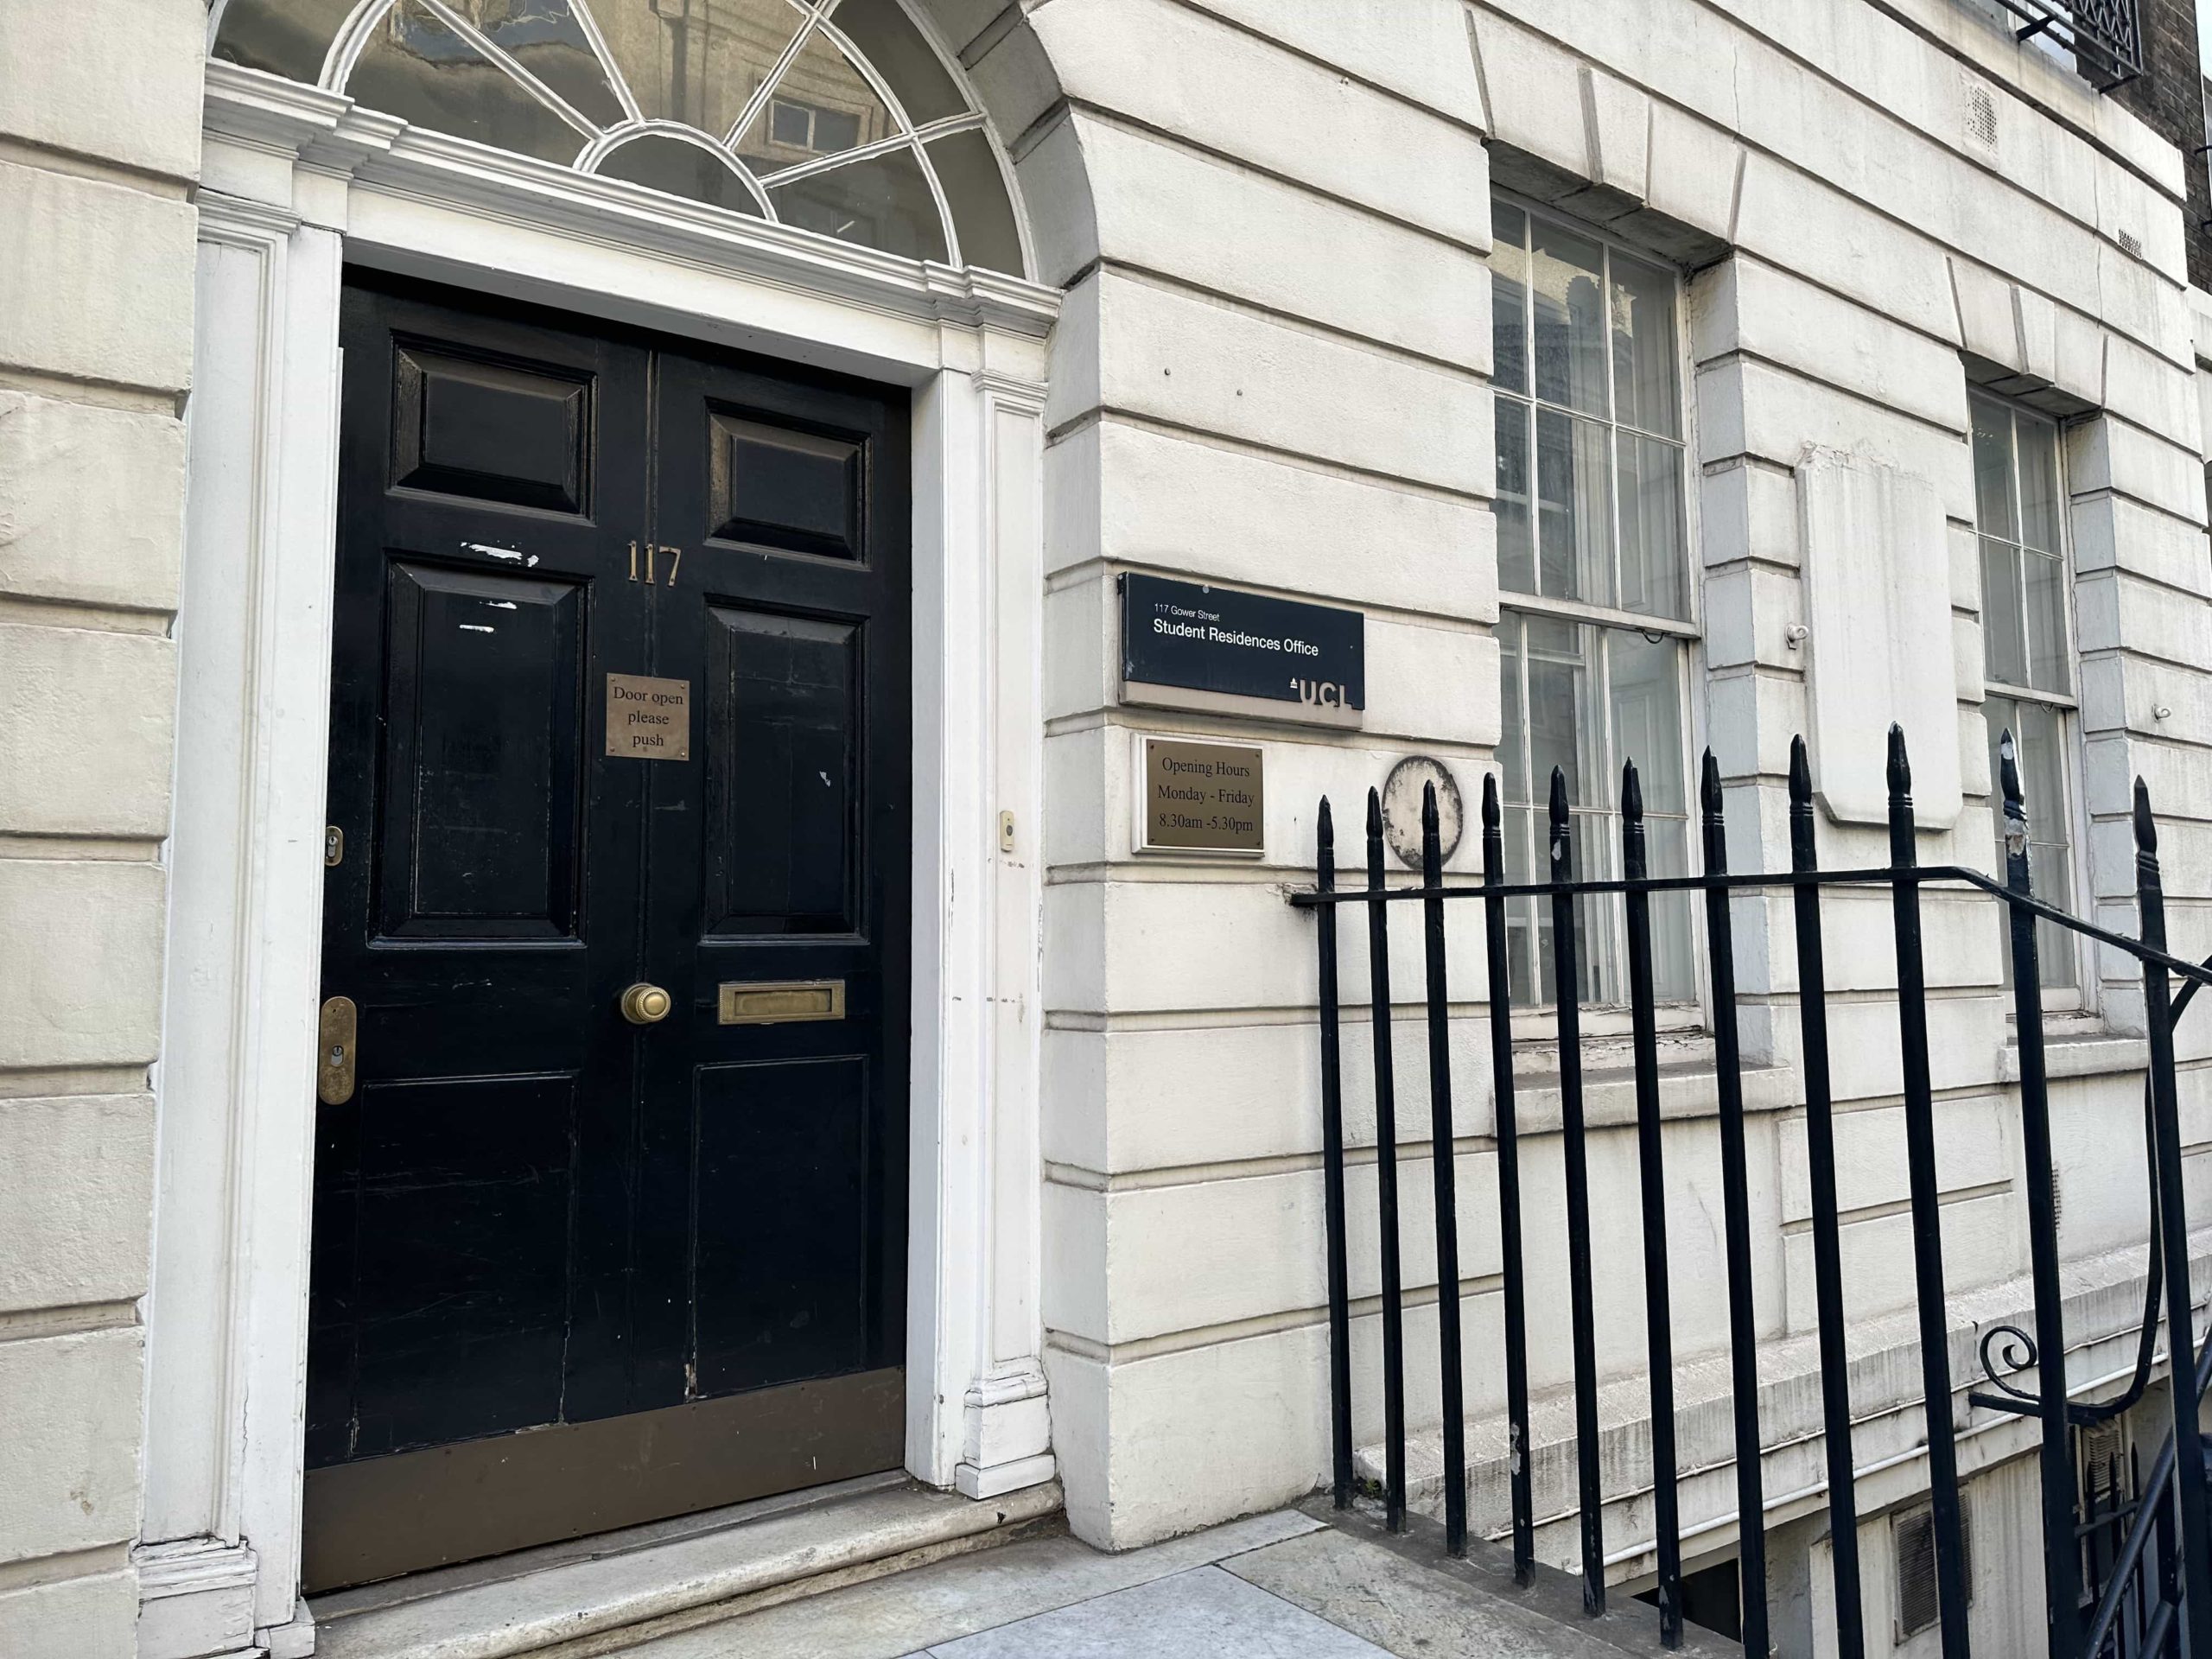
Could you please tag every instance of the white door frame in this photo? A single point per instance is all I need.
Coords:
(297, 181)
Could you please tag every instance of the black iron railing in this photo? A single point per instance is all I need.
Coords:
(2104, 36)
(2119, 1574)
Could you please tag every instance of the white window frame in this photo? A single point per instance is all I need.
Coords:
(2081, 996)
(1611, 1017)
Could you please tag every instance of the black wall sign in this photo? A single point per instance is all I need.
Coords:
(1220, 643)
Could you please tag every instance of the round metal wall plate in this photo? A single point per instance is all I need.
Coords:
(1402, 793)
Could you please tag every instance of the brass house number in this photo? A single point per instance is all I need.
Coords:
(675, 562)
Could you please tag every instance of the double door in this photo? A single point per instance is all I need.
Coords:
(610, 1170)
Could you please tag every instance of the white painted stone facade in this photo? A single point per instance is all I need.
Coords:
(1270, 368)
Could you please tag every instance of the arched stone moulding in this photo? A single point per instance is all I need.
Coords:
(885, 147)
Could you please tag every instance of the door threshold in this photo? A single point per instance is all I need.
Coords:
(599, 1595)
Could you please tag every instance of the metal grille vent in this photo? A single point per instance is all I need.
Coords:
(1912, 1538)
(1981, 116)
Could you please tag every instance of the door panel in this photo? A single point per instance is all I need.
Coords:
(473, 425)
(484, 722)
(463, 1221)
(674, 1253)
(783, 1273)
(782, 717)
(779, 486)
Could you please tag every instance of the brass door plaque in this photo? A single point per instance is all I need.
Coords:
(1201, 798)
(648, 719)
(782, 1001)
(338, 1030)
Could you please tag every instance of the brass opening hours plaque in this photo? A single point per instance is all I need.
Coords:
(1201, 798)
(648, 719)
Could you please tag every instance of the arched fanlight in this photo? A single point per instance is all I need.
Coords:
(835, 116)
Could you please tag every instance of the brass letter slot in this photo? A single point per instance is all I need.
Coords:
(338, 1031)
(782, 1001)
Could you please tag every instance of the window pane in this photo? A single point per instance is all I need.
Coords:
(1647, 709)
(1574, 509)
(1516, 551)
(1993, 469)
(822, 106)
(1512, 758)
(975, 191)
(660, 163)
(1666, 852)
(1508, 298)
(701, 62)
(2039, 503)
(1563, 719)
(891, 43)
(881, 202)
(1654, 573)
(546, 38)
(1645, 389)
(2046, 603)
(1566, 279)
(416, 68)
(284, 37)
(2004, 623)
(1595, 696)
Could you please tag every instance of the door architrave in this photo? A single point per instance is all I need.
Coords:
(297, 183)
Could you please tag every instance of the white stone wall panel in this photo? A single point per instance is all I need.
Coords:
(74, 1209)
(71, 237)
(92, 503)
(87, 723)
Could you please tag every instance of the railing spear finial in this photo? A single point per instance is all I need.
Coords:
(1801, 777)
(1632, 793)
(1375, 815)
(1900, 767)
(1559, 818)
(2146, 828)
(1708, 788)
(1325, 828)
(1490, 813)
(1429, 829)
(2008, 783)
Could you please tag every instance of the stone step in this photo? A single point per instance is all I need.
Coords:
(599, 1595)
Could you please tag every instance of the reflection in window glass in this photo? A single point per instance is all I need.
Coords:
(1592, 516)
(570, 81)
(1586, 700)
(974, 187)
(417, 68)
(284, 37)
(1509, 298)
(701, 62)
(1646, 392)
(1516, 543)
(1611, 524)
(1566, 285)
(886, 38)
(881, 202)
(548, 38)
(823, 105)
(661, 163)
(2019, 503)
(1574, 508)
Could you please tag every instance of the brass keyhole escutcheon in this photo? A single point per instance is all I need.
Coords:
(645, 1005)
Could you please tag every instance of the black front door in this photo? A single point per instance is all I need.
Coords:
(609, 1216)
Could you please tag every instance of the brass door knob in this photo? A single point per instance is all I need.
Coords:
(645, 1005)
